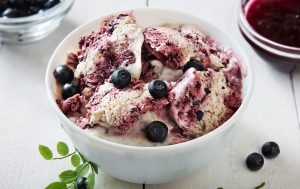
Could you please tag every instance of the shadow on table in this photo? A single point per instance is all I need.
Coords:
(286, 66)
(103, 180)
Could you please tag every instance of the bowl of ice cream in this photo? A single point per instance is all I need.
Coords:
(150, 95)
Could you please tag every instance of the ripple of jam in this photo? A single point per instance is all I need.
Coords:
(277, 20)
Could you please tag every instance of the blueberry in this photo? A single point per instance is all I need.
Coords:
(3, 6)
(28, 11)
(207, 91)
(19, 8)
(40, 3)
(69, 90)
(199, 115)
(158, 89)
(63, 74)
(18, 4)
(81, 183)
(193, 64)
(254, 161)
(270, 150)
(10, 13)
(3, 3)
(50, 3)
(121, 78)
(33, 10)
(156, 131)
(1, 10)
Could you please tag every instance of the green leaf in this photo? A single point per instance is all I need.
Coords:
(45, 152)
(260, 186)
(82, 169)
(90, 181)
(68, 181)
(57, 185)
(94, 167)
(82, 157)
(67, 176)
(62, 148)
(75, 160)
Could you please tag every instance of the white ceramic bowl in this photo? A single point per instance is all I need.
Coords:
(149, 165)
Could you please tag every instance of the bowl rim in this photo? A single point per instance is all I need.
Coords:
(245, 25)
(185, 145)
(47, 14)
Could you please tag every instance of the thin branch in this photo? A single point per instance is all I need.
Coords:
(64, 156)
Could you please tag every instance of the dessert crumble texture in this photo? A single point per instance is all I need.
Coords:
(198, 101)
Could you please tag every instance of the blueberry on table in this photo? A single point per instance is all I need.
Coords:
(158, 89)
(193, 64)
(51, 3)
(270, 149)
(63, 74)
(121, 78)
(81, 183)
(156, 131)
(255, 161)
(69, 90)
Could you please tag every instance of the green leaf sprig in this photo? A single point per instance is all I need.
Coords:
(257, 187)
(260, 186)
(68, 178)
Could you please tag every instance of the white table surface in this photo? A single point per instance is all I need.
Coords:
(26, 118)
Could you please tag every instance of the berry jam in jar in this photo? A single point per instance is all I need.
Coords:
(273, 26)
(277, 20)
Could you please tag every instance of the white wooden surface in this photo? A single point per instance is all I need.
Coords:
(27, 120)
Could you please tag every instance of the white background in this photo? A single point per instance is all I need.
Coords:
(26, 118)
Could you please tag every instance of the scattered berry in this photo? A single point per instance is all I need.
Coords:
(121, 78)
(156, 131)
(63, 74)
(270, 150)
(69, 90)
(158, 89)
(255, 161)
(193, 64)
(81, 183)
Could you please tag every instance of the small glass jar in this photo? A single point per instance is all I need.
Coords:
(35, 27)
(262, 43)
